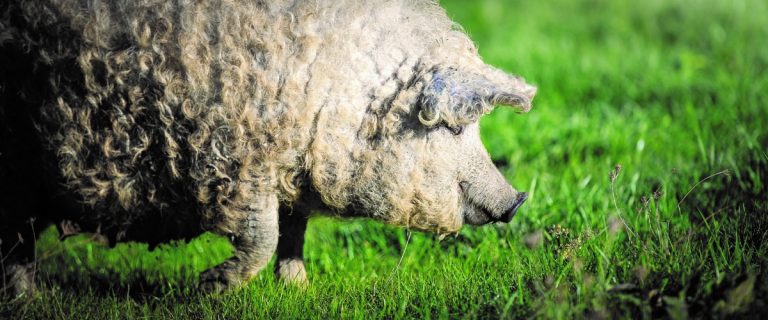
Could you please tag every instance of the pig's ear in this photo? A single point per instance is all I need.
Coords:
(459, 97)
(513, 91)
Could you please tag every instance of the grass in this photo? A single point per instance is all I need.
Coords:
(645, 156)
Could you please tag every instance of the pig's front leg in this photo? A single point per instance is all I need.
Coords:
(290, 248)
(254, 243)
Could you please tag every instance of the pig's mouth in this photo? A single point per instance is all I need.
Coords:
(477, 214)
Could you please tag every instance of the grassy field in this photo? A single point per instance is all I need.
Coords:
(645, 156)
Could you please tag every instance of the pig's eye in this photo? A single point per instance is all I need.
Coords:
(457, 130)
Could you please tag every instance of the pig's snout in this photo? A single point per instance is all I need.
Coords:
(516, 204)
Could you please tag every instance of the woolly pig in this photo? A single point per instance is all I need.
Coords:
(153, 120)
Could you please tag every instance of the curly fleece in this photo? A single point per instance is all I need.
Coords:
(193, 109)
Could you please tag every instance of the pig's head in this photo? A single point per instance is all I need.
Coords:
(414, 157)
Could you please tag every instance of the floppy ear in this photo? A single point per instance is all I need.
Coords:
(459, 97)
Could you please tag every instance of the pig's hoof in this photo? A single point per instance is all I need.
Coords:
(20, 281)
(216, 280)
(292, 272)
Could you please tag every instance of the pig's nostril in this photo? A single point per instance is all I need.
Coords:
(521, 197)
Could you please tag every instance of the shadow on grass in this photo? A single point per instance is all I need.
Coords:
(740, 205)
(139, 287)
(730, 213)
(80, 265)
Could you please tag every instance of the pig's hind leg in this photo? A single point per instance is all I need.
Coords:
(255, 243)
(290, 248)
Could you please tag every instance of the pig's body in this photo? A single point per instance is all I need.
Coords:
(157, 120)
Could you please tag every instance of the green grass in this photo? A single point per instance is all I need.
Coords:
(675, 92)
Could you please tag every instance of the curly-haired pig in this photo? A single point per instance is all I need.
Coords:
(153, 120)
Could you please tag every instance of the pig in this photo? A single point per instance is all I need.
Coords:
(153, 120)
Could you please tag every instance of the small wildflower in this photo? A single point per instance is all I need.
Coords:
(569, 249)
(559, 235)
(658, 194)
(644, 201)
(558, 232)
(615, 173)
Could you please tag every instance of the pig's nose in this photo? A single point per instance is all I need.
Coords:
(516, 204)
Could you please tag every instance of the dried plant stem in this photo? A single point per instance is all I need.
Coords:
(726, 172)
(402, 255)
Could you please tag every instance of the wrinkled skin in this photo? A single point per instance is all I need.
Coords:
(157, 120)
(450, 177)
